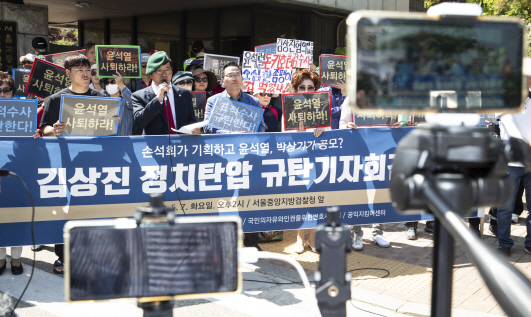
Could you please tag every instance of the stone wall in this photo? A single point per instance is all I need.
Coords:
(32, 22)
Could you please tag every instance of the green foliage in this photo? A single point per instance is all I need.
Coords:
(62, 36)
(341, 51)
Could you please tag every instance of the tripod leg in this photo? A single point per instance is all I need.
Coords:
(443, 261)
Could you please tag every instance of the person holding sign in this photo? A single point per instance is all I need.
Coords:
(7, 90)
(78, 70)
(116, 88)
(162, 108)
(232, 79)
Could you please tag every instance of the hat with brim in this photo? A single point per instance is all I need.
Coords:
(212, 79)
(180, 76)
(156, 60)
(30, 57)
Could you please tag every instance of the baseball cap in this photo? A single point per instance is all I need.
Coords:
(153, 51)
(39, 43)
(30, 57)
(144, 57)
(197, 46)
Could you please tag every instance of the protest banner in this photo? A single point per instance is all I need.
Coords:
(199, 103)
(273, 181)
(46, 79)
(123, 59)
(312, 108)
(21, 76)
(214, 63)
(332, 69)
(266, 48)
(267, 73)
(235, 116)
(86, 115)
(303, 48)
(18, 117)
(59, 58)
(374, 120)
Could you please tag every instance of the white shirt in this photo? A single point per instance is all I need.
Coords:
(517, 125)
(170, 98)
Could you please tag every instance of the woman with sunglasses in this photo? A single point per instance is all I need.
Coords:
(204, 81)
(116, 88)
(7, 91)
(95, 80)
(270, 113)
(183, 79)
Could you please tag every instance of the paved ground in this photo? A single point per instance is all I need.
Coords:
(402, 288)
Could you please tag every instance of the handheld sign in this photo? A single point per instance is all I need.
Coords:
(312, 108)
(332, 69)
(375, 120)
(199, 103)
(21, 76)
(123, 59)
(59, 58)
(215, 63)
(286, 46)
(86, 115)
(18, 117)
(46, 79)
(235, 116)
(266, 48)
(267, 73)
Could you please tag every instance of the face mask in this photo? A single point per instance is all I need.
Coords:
(111, 89)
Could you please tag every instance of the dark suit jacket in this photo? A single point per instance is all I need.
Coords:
(149, 115)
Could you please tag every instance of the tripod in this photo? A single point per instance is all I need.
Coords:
(448, 171)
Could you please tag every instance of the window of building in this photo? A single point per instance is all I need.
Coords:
(121, 31)
(161, 32)
(200, 27)
(235, 37)
(93, 31)
(271, 24)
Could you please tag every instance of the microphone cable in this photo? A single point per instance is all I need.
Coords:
(4, 172)
(169, 144)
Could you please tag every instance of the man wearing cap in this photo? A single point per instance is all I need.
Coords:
(154, 114)
(197, 47)
(40, 47)
(141, 83)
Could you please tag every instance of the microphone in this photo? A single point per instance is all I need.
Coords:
(4, 173)
(165, 93)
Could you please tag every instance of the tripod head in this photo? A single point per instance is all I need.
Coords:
(467, 163)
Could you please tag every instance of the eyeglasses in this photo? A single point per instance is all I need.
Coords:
(6, 91)
(26, 63)
(306, 88)
(163, 72)
(233, 75)
(111, 82)
(185, 82)
(199, 80)
(144, 65)
(93, 72)
(263, 94)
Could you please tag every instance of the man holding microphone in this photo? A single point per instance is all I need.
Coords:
(161, 108)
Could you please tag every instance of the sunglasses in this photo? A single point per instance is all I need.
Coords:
(144, 65)
(26, 63)
(185, 82)
(306, 88)
(199, 80)
(111, 82)
(263, 94)
(6, 91)
(93, 72)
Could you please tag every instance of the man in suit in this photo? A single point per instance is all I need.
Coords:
(154, 114)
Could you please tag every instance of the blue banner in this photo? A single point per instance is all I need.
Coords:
(273, 181)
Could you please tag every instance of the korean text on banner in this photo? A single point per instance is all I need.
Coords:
(46, 79)
(287, 46)
(332, 69)
(123, 59)
(312, 108)
(85, 115)
(214, 63)
(235, 116)
(267, 73)
(266, 48)
(199, 104)
(18, 117)
(21, 76)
